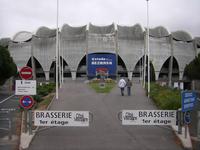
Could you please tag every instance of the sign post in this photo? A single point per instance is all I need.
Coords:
(26, 102)
(187, 120)
(26, 87)
(188, 99)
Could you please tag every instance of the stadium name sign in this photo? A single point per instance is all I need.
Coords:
(61, 118)
(149, 117)
(96, 62)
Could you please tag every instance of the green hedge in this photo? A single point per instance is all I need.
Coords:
(43, 90)
(165, 97)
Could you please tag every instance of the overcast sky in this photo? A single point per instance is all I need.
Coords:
(29, 15)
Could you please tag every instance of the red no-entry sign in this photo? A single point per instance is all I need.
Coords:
(26, 73)
(26, 102)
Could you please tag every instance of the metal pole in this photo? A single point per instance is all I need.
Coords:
(30, 122)
(186, 130)
(144, 63)
(57, 52)
(171, 63)
(59, 61)
(142, 70)
(148, 52)
(116, 50)
(198, 125)
(33, 62)
(198, 131)
(25, 121)
(62, 64)
(179, 121)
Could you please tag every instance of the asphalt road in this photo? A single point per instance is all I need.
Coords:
(105, 131)
(8, 117)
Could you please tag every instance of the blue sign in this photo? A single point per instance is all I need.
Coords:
(187, 118)
(26, 102)
(188, 100)
(105, 62)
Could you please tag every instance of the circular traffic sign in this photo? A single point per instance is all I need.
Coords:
(26, 73)
(26, 102)
(187, 117)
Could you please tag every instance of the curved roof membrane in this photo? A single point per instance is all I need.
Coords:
(182, 36)
(101, 29)
(45, 32)
(73, 32)
(158, 32)
(130, 32)
(22, 36)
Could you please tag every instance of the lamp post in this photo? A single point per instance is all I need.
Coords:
(57, 57)
(148, 52)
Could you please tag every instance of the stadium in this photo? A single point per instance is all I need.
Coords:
(114, 49)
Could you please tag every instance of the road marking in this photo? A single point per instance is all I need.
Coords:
(7, 99)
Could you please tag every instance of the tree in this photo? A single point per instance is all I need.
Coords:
(7, 66)
(192, 71)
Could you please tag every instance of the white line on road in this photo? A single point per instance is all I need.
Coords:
(7, 99)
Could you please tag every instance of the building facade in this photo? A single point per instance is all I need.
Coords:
(88, 49)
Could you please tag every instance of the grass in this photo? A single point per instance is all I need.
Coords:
(165, 97)
(45, 102)
(108, 87)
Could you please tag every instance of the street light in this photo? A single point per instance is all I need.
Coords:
(148, 52)
(57, 57)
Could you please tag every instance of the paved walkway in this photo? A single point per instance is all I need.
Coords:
(106, 131)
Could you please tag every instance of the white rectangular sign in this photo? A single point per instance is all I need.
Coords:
(149, 117)
(61, 118)
(25, 87)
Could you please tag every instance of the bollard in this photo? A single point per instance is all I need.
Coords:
(119, 115)
(91, 116)
(179, 121)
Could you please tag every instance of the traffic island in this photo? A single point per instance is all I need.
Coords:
(27, 137)
(185, 140)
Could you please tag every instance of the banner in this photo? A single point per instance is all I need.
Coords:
(149, 117)
(101, 63)
(61, 118)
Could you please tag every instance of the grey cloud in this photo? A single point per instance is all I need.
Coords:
(31, 14)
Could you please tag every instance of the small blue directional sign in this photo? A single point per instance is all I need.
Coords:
(188, 100)
(187, 117)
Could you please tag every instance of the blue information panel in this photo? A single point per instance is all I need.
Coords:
(188, 100)
(101, 62)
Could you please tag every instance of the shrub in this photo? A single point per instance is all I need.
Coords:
(45, 89)
(37, 98)
(164, 97)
